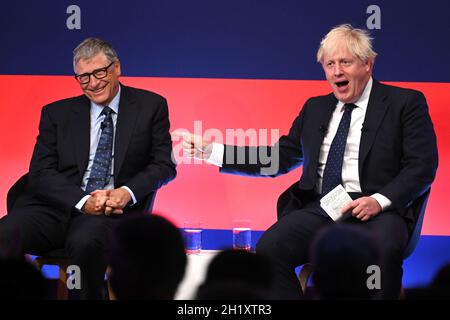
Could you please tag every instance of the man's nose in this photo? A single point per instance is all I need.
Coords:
(337, 70)
(93, 82)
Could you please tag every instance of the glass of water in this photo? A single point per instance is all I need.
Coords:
(242, 234)
(192, 233)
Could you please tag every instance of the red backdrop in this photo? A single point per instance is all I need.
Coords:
(199, 192)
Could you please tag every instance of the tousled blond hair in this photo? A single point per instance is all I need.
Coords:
(358, 42)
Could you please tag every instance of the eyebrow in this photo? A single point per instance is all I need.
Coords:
(339, 59)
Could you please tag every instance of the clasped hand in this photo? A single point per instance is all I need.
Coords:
(107, 202)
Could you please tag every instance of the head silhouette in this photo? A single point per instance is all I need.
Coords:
(147, 259)
(21, 280)
(341, 255)
(237, 274)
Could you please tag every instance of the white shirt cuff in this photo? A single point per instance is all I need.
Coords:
(382, 200)
(216, 157)
(81, 203)
(131, 193)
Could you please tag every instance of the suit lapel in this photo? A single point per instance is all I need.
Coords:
(322, 119)
(80, 131)
(126, 119)
(376, 110)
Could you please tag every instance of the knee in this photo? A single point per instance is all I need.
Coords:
(89, 239)
(265, 244)
(392, 253)
(84, 246)
(7, 228)
(271, 245)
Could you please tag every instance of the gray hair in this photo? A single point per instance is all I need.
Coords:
(90, 47)
(358, 42)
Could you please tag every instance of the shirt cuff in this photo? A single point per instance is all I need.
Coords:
(133, 198)
(384, 202)
(216, 157)
(81, 203)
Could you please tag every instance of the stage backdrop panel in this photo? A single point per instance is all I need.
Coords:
(199, 191)
(229, 64)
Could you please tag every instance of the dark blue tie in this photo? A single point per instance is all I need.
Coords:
(332, 175)
(101, 168)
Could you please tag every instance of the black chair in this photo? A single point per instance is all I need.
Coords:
(418, 210)
(58, 256)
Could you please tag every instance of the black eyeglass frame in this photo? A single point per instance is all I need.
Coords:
(93, 73)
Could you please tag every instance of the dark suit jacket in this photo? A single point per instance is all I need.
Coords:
(142, 151)
(397, 156)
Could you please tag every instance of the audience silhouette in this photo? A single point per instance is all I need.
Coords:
(147, 259)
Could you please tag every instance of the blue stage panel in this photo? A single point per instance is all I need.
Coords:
(432, 253)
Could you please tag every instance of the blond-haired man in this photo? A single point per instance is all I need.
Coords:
(376, 140)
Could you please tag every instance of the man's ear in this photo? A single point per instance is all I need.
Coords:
(117, 66)
(369, 64)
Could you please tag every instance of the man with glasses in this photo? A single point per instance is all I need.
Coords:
(97, 158)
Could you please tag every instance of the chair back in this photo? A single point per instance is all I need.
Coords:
(15, 191)
(418, 211)
(285, 200)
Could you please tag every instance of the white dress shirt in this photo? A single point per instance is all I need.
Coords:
(350, 173)
(96, 121)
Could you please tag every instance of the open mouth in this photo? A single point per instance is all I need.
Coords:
(341, 84)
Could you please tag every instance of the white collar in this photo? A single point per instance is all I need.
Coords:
(96, 109)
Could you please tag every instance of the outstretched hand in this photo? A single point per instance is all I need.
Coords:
(193, 145)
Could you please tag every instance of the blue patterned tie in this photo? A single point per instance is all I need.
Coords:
(332, 175)
(101, 168)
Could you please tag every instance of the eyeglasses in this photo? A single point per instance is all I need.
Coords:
(97, 73)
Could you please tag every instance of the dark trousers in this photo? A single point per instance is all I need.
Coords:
(38, 229)
(288, 243)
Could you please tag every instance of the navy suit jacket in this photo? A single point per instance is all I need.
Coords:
(397, 155)
(142, 151)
